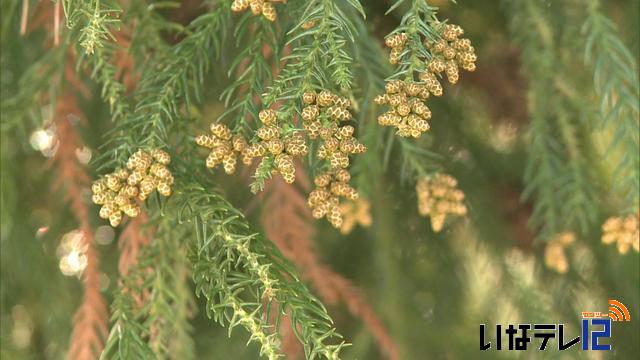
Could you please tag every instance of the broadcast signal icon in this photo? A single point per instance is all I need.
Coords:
(618, 312)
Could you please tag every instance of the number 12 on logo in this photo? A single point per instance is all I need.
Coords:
(605, 332)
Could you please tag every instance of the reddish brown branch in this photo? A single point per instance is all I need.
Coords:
(24, 17)
(44, 15)
(90, 320)
(56, 24)
(290, 345)
(132, 239)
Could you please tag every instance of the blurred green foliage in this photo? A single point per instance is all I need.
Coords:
(431, 290)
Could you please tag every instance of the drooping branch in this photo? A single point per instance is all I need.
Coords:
(288, 223)
(615, 80)
(90, 321)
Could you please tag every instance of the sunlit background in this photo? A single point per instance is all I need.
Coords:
(430, 290)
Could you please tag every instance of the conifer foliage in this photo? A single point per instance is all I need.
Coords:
(225, 175)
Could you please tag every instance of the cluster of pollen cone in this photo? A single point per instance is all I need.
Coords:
(322, 117)
(624, 231)
(324, 200)
(555, 257)
(354, 213)
(407, 111)
(449, 54)
(277, 144)
(224, 147)
(439, 197)
(120, 191)
(265, 8)
(272, 145)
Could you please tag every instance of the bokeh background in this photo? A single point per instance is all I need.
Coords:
(397, 287)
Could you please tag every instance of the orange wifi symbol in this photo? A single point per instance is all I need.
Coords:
(617, 311)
